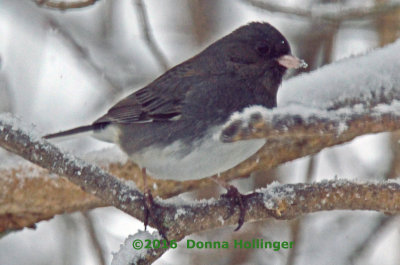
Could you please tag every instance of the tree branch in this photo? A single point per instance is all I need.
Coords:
(286, 123)
(298, 139)
(180, 219)
(64, 5)
(292, 132)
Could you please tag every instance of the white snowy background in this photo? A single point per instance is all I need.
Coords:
(64, 69)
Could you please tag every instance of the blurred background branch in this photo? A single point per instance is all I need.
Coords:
(146, 31)
(332, 12)
(63, 69)
(64, 5)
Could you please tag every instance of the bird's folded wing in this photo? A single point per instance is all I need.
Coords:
(161, 100)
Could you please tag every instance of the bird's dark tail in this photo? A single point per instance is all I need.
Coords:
(78, 130)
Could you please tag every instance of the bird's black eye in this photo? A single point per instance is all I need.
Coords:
(263, 48)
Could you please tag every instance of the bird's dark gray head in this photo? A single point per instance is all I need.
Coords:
(257, 45)
(266, 40)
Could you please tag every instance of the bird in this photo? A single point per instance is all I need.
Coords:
(170, 127)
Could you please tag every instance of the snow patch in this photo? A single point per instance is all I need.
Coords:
(365, 78)
(179, 212)
(127, 254)
(274, 193)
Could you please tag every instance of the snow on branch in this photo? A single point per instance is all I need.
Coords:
(278, 201)
(20, 139)
(182, 218)
(286, 122)
(133, 251)
(327, 107)
(365, 80)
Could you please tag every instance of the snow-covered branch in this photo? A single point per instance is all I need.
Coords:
(278, 201)
(330, 106)
(281, 202)
(344, 100)
(290, 136)
(326, 107)
(19, 139)
(285, 123)
(182, 218)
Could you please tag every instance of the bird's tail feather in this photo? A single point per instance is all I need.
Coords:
(75, 131)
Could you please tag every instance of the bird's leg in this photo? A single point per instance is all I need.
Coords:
(234, 195)
(150, 206)
(148, 199)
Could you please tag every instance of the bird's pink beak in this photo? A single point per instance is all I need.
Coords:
(290, 61)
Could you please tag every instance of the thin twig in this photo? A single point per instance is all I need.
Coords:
(146, 31)
(371, 239)
(63, 5)
(94, 238)
(297, 225)
(83, 54)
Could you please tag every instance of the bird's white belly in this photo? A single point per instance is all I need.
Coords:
(210, 157)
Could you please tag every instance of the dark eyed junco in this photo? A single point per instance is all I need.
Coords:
(170, 127)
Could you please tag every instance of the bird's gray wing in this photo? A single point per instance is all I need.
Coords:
(161, 100)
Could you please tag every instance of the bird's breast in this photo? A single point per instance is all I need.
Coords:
(204, 157)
